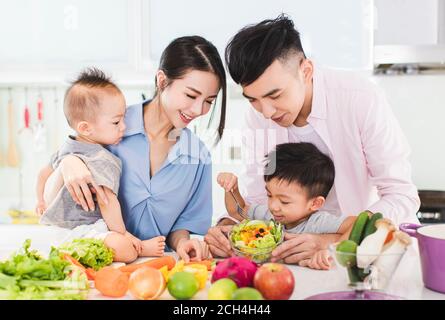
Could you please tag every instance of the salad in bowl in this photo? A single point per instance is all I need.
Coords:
(256, 239)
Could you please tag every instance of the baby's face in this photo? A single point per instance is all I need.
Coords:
(287, 202)
(108, 126)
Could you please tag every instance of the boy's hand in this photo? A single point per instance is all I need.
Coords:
(321, 260)
(40, 207)
(228, 181)
(137, 244)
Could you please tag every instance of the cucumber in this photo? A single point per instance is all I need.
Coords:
(353, 275)
(358, 227)
(370, 225)
(345, 253)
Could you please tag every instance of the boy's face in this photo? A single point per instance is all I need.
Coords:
(288, 202)
(108, 126)
(189, 97)
(282, 90)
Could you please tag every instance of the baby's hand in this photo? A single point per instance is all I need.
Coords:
(40, 207)
(137, 244)
(321, 260)
(228, 181)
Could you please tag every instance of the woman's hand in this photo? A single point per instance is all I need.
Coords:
(218, 242)
(193, 250)
(78, 181)
(228, 181)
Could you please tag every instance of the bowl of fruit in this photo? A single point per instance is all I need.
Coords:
(256, 239)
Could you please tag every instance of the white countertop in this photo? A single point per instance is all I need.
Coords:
(407, 281)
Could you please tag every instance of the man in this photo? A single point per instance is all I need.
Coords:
(345, 116)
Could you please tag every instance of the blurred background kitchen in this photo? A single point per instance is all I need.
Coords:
(399, 44)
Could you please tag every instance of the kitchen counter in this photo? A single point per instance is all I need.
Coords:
(406, 283)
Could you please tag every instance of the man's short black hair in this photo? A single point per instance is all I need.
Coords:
(304, 164)
(254, 48)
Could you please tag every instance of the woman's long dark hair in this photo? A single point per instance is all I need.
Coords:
(195, 53)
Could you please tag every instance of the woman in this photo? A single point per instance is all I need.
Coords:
(165, 186)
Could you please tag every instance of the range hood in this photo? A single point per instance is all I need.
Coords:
(409, 36)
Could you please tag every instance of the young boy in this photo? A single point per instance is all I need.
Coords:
(298, 178)
(94, 107)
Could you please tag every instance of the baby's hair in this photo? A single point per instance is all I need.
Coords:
(82, 98)
(301, 163)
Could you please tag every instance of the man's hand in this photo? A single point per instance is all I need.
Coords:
(321, 260)
(298, 247)
(218, 241)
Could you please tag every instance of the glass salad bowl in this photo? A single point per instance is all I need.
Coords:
(256, 239)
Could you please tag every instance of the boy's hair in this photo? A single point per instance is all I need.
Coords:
(304, 164)
(83, 96)
(255, 47)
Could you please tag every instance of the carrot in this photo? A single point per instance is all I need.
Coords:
(156, 263)
(208, 263)
(111, 282)
(91, 273)
(72, 260)
(389, 237)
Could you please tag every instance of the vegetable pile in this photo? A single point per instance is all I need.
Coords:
(256, 239)
(373, 250)
(91, 253)
(27, 275)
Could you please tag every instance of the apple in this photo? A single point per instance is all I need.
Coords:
(275, 281)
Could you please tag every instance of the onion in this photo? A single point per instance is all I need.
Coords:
(146, 283)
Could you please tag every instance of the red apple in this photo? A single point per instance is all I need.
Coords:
(275, 281)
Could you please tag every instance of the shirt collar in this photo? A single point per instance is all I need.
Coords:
(134, 119)
(188, 144)
(318, 95)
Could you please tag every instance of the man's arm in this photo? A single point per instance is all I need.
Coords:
(111, 212)
(346, 227)
(387, 156)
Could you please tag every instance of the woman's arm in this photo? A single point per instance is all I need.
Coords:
(77, 179)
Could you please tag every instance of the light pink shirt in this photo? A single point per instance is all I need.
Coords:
(369, 150)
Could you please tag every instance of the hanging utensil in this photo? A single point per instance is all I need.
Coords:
(40, 129)
(12, 157)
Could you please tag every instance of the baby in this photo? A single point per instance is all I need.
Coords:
(298, 178)
(94, 108)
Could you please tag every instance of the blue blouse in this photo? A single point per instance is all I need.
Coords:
(177, 196)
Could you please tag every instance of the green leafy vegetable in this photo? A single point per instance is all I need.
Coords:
(27, 275)
(91, 253)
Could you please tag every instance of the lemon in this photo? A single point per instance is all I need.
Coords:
(247, 294)
(222, 289)
(183, 285)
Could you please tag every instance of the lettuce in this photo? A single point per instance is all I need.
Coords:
(91, 253)
(27, 275)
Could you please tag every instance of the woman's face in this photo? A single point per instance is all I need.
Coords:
(189, 97)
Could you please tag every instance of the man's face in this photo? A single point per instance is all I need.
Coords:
(282, 90)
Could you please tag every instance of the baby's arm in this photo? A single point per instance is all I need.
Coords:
(229, 182)
(111, 212)
(41, 181)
